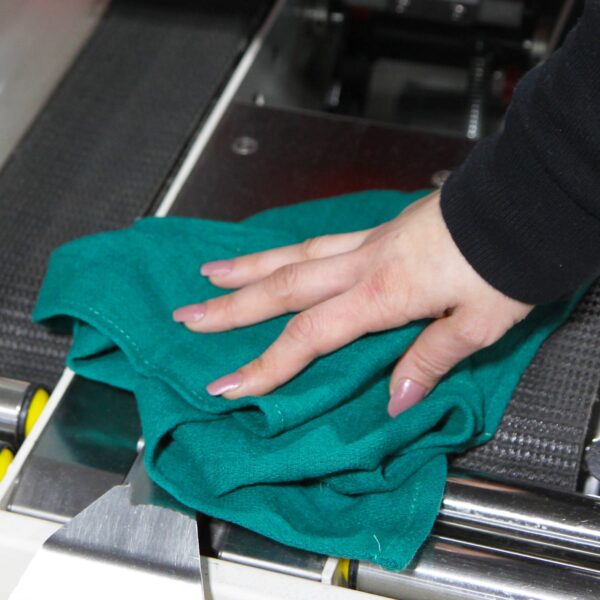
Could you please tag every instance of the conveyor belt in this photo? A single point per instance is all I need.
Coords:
(98, 154)
(543, 433)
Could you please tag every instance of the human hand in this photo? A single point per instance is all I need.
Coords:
(344, 286)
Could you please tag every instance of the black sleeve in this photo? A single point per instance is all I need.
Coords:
(524, 208)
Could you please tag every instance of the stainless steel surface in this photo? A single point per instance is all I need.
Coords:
(133, 527)
(558, 30)
(500, 542)
(591, 485)
(87, 447)
(239, 545)
(38, 42)
(297, 61)
(498, 13)
(543, 522)
(503, 13)
(485, 530)
(448, 569)
(338, 155)
(592, 459)
(53, 490)
(12, 395)
(402, 92)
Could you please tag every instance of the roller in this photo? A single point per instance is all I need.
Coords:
(21, 404)
(6, 457)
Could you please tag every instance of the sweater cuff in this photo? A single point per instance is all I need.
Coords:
(517, 228)
(524, 208)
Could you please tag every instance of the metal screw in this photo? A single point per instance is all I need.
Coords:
(401, 5)
(244, 145)
(439, 178)
(334, 94)
(458, 11)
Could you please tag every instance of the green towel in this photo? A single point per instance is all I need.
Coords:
(318, 463)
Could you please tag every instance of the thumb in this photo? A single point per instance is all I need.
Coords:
(442, 345)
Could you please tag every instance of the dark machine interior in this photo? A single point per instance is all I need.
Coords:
(440, 66)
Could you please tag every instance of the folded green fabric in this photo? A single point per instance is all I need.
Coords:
(317, 464)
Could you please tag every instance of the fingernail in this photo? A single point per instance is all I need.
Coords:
(406, 394)
(193, 312)
(224, 384)
(216, 267)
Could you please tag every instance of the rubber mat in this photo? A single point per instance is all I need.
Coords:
(99, 152)
(543, 433)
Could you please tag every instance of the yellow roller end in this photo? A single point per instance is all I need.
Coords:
(6, 457)
(345, 564)
(343, 571)
(38, 402)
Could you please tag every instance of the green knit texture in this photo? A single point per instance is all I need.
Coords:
(317, 464)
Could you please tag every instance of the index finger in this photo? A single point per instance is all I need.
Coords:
(243, 270)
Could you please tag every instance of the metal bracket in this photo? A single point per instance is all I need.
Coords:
(135, 535)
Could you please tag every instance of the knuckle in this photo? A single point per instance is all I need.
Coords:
(256, 368)
(432, 367)
(381, 296)
(226, 307)
(283, 283)
(304, 329)
(377, 284)
(475, 333)
(312, 247)
(262, 374)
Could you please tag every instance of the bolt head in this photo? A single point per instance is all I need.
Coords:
(439, 178)
(244, 145)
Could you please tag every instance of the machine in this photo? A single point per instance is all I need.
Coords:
(110, 111)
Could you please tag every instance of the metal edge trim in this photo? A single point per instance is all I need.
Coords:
(222, 104)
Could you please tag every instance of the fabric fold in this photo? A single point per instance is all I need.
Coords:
(317, 464)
